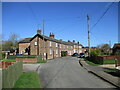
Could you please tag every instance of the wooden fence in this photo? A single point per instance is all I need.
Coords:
(11, 74)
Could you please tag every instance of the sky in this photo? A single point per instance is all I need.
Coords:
(67, 20)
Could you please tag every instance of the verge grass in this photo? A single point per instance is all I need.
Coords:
(28, 80)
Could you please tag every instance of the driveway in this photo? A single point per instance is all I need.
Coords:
(67, 73)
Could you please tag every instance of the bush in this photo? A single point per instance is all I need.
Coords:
(63, 53)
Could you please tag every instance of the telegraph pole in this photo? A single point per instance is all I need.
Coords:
(88, 22)
(43, 41)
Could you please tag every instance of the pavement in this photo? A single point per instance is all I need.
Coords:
(68, 73)
(99, 71)
(30, 67)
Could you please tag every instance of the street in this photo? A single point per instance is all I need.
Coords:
(67, 73)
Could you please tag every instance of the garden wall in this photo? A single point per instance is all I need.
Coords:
(27, 60)
(11, 74)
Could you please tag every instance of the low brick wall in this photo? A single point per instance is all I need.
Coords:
(110, 57)
(6, 64)
(117, 61)
(27, 60)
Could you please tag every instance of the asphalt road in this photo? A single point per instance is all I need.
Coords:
(67, 73)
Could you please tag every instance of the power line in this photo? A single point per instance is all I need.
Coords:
(103, 15)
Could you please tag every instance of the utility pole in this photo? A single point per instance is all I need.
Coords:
(110, 47)
(88, 22)
(43, 41)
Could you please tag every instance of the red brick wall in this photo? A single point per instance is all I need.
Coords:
(117, 61)
(27, 60)
(7, 64)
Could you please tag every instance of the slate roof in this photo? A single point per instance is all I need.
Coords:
(27, 40)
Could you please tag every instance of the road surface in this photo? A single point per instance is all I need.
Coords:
(67, 73)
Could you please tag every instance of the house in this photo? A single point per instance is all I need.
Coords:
(116, 48)
(48, 47)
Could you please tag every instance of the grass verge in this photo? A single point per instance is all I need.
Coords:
(28, 80)
(91, 63)
(113, 72)
(109, 62)
(42, 61)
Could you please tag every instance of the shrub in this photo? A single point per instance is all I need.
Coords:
(63, 53)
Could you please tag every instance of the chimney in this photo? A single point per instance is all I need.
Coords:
(74, 41)
(52, 35)
(68, 40)
(38, 31)
(78, 42)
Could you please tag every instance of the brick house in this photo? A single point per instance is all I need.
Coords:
(48, 47)
(116, 48)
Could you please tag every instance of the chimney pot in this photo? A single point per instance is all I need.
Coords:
(52, 35)
(68, 40)
(73, 40)
(38, 31)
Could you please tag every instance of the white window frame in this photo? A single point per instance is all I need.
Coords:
(50, 51)
(50, 43)
(56, 51)
(35, 43)
(56, 44)
(60, 45)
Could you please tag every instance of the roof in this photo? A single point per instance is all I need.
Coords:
(55, 40)
(26, 40)
(116, 45)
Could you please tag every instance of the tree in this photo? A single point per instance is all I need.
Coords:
(105, 48)
(11, 44)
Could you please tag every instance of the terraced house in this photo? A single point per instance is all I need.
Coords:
(48, 47)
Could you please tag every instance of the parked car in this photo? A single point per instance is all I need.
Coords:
(75, 55)
(82, 55)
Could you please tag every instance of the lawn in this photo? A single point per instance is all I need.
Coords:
(42, 61)
(91, 63)
(28, 80)
(109, 62)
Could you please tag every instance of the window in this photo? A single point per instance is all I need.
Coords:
(35, 43)
(60, 45)
(56, 51)
(80, 51)
(80, 47)
(74, 50)
(56, 44)
(71, 47)
(50, 51)
(67, 46)
(50, 43)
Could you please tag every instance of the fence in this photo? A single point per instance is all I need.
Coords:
(0, 78)
(11, 74)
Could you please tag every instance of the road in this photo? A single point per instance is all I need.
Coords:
(67, 73)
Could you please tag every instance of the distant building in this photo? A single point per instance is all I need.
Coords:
(116, 48)
(48, 47)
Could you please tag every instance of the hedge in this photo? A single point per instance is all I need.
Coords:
(21, 56)
(96, 59)
(11, 74)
